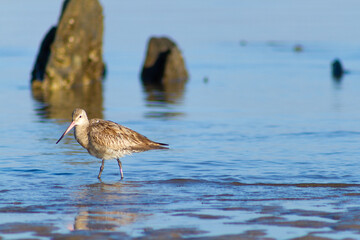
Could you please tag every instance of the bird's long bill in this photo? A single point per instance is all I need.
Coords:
(66, 131)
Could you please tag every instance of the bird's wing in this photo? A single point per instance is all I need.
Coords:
(115, 136)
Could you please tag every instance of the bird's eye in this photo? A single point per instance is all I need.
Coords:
(80, 116)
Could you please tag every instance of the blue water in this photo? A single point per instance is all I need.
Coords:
(268, 146)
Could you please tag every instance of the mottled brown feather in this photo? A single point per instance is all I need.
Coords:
(118, 137)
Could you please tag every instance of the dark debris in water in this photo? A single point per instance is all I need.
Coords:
(201, 216)
(301, 185)
(312, 237)
(247, 235)
(280, 221)
(20, 227)
(22, 209)
(81, 235)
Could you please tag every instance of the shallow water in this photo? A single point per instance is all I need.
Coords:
(264, 143)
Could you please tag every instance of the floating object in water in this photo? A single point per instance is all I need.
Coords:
(243, 43)
(298, 48)
(108, 140)
(337, 69)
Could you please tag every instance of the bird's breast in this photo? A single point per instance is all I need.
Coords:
(81, 136)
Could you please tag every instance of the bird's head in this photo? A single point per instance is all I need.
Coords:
(79, 118)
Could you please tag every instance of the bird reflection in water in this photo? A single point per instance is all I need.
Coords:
(58, 104)
(98, 207)
(102, 220)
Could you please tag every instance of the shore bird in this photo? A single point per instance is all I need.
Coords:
(108, 140)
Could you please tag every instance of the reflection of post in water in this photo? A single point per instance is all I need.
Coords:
(164, 73)
(92, 215)
(60, 104)
(170, 93)
(69, 66)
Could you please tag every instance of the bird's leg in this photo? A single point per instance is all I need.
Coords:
(101, 168)
(120, 166)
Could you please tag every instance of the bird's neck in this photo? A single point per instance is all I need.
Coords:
(81, 135)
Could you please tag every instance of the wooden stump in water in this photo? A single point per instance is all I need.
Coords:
(164, 63)
(69, 66)
(38, 73)
(71, 53)
(164, 70)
